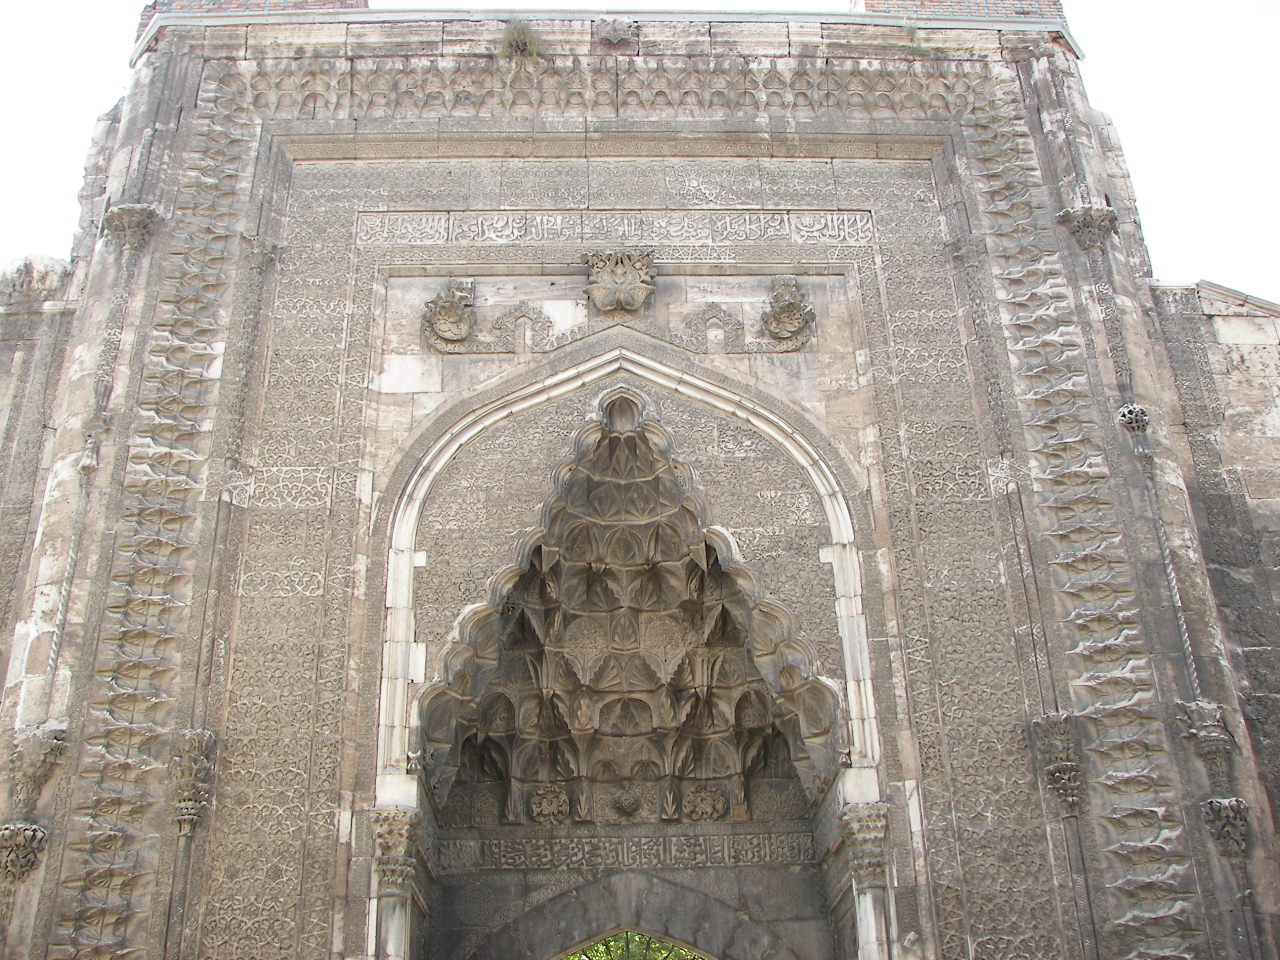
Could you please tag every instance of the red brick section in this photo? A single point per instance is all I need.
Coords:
(995, 9)
(243, 6)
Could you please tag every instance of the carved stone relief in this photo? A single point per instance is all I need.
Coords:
(627, 656)
(619, 279)
(449, 317)
(790, 318)
(190, 770)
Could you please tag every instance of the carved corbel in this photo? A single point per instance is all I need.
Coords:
(1227, 819)
(1203, 724)
(130, 224)
(619, 279)
(1056, 743)
(865, 829)
(789, 317)
(1089, 225)
(614, 30)
(394, 842)
(21, 844)
(190, 770)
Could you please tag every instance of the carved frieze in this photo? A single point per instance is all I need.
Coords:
(190, 770)
(619, 279)
(789, 317)
(1060, 757)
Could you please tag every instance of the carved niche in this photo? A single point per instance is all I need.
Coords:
(626, 670)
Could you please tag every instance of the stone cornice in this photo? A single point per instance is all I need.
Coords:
(1035, 25)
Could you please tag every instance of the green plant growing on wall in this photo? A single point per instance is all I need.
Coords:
(519, 41)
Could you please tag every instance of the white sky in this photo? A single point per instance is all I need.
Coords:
(1191, 86)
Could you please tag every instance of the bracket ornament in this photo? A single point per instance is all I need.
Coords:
(449, 317)
(619, 279)
(393, 860)
(190, 770)
(1056, 743)
(1089, 225)
(131, 224)
(865, 827)
(789, 318)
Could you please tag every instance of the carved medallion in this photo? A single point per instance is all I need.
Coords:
(704, 802)
(448, 317)
(620, 279)
(627, 803)
(789, 318)
(549, 804)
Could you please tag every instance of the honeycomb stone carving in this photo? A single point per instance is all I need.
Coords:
(1060, 758)
(626, 652)
(449, 317)
(704, 802)
(190, 769)
(619, 279)
(789, 318)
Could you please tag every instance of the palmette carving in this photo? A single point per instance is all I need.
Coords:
(190, 770)
(1204, 727)
(131, 224)
(1056, 742)
(1227, 819)
(36, 751)
(1089, 225)
(20, 847)
(619, 279)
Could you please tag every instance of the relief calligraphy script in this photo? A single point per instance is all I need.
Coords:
(689, 227)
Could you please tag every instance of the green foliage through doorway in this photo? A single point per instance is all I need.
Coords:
(632, 945)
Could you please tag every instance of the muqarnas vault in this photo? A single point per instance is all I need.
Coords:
(716, 486)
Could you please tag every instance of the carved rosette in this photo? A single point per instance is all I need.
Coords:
(1203, 724)
(619, 279)
(789, 318)
(449, 317)
(21, 844)
(549, 804)
(1089, 225)
(394, 842)
(1056, 744)
(1227, 819)
(1134, 418)
(705, 803)
(865, 827)
(130, 224)
(190, 770)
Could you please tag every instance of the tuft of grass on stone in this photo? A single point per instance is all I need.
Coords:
(519, 41)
